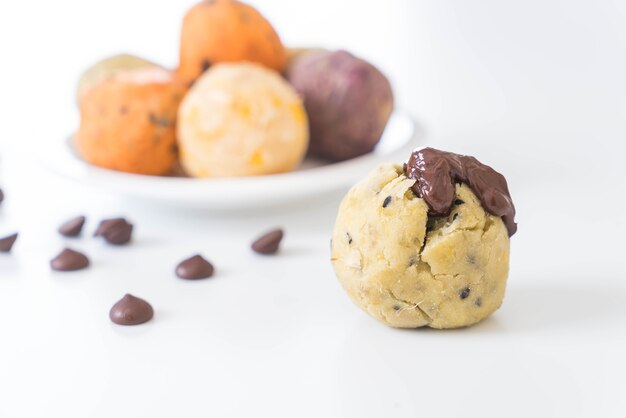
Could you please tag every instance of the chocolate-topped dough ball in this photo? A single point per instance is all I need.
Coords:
(347, 99)
(426, 244)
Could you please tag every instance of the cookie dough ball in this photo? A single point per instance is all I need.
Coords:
(227, 31)
(128, 122)
(347, 99)
(241, 120)
(296, 54)
(109, 68)
(408, 270)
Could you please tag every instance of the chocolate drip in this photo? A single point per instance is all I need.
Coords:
(436, 172)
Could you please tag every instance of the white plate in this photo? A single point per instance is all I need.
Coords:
(313, 178)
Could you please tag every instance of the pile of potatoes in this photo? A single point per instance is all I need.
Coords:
(238, 104)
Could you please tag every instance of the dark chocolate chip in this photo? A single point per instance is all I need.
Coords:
(6, 243)
(349, 238)
(268, 243)
(396, 308)
(205, 65)
(73, 227)
(458, 202)
(412, 261)
(387, 201)
(131, 310)
(155, 120)
(463, 294)
(194, 268)
(115, 231)
(69, 260)
(478, 302)
(456, 215)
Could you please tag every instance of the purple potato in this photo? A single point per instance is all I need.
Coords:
(347, 99)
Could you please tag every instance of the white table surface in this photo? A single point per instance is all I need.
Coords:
(536, 89)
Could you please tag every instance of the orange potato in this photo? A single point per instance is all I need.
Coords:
(225, 31)
(128, 122)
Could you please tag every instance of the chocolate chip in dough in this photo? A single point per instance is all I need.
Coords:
(72, 227)
(194, 268)
(7, 242)
(463, 294)
(131, 310)
(268, 243)
(69, 260)
(205, 65)
(115, 231)
(387, 201)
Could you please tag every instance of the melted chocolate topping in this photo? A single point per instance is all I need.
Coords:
(436, 172)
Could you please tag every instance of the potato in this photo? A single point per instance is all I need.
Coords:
(347, 99)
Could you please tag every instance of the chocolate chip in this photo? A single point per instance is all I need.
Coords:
(349, 238)
(269, 242)
(458, 202)
(69, 260)
(471, 259)
(73, 227)
(194, 268)
(387, 201)
(155, 120)
(478, 302)
(412, 261)
(131, 310)
(463, 294)
(6, 243)
(456, 215)
(396, 308)
(205, 65)
(115, 231)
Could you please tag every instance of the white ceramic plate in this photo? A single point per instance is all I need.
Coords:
(313, 178)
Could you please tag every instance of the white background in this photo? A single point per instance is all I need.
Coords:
(536, 88)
